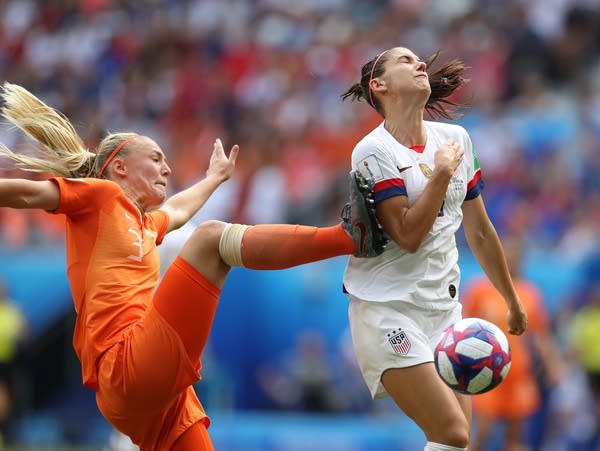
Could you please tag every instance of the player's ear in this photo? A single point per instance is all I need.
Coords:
(119, 167)
(377, 84)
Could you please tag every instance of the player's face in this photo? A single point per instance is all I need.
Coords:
(147, 173)
(405, 74)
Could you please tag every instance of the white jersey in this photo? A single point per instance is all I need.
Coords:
(430, 277)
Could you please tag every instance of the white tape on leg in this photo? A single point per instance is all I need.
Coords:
(230, 245)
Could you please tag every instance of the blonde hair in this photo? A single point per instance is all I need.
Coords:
(66, 154)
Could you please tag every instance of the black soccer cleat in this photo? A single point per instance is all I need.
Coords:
(359, 218)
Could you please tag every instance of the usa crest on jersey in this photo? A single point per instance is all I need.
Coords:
(399, 341)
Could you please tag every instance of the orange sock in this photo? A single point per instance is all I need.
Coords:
(280, 246)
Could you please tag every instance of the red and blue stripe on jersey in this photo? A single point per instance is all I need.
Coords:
(389, 188)
(475, 186)
(395, 187)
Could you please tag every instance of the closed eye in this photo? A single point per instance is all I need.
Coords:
(408, 59)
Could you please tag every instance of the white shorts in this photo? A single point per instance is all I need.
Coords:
(394, 334)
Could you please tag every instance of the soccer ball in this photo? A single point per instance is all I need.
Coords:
(472, 356)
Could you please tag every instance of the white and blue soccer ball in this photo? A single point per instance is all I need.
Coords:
(472, 356)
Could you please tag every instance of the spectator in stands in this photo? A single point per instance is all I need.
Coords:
(13, 330)
(584, 335)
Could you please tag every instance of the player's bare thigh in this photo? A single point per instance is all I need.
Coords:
(201, 250)
(442, 414)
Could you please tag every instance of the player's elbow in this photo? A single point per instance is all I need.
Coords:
(408, 237)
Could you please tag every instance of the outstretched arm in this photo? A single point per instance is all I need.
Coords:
(183, 205)
(485, 245)
(22, 193)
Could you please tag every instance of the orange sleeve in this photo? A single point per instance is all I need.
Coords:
(80, 197)
(160, 219)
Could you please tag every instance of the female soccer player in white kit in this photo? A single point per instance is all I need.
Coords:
(426, 182)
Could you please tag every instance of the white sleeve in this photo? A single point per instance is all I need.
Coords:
(372, 159)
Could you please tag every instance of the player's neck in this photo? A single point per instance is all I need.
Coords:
(130, 194)
(410, 133)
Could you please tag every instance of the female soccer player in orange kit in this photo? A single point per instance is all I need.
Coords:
(139, 341)
(518, 397)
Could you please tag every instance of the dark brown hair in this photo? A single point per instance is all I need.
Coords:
(444, 81)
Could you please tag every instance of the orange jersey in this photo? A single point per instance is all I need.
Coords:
(112, 263)
(518, 395)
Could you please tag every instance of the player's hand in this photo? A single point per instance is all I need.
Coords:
(221, 165)
(448, 157)
(517, 320)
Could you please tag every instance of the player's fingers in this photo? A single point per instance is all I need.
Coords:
(218, 146)
(233, 153)
(518, 330)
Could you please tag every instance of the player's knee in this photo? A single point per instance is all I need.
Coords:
(203, 243)
(455, 434)
(209, 233)
(201, 250)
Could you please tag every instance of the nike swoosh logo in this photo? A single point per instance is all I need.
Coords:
(403, 169)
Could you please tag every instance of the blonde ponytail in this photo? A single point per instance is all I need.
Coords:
(66, 153)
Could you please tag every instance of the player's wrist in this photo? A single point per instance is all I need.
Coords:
(442, 172)
(215, 177)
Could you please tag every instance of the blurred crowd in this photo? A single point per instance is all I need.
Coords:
(268, 74)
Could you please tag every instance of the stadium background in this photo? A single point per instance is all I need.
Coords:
(267, 74)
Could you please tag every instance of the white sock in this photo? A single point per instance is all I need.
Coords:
(432, 446)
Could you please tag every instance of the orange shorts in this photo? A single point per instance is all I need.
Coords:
(145, 380)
